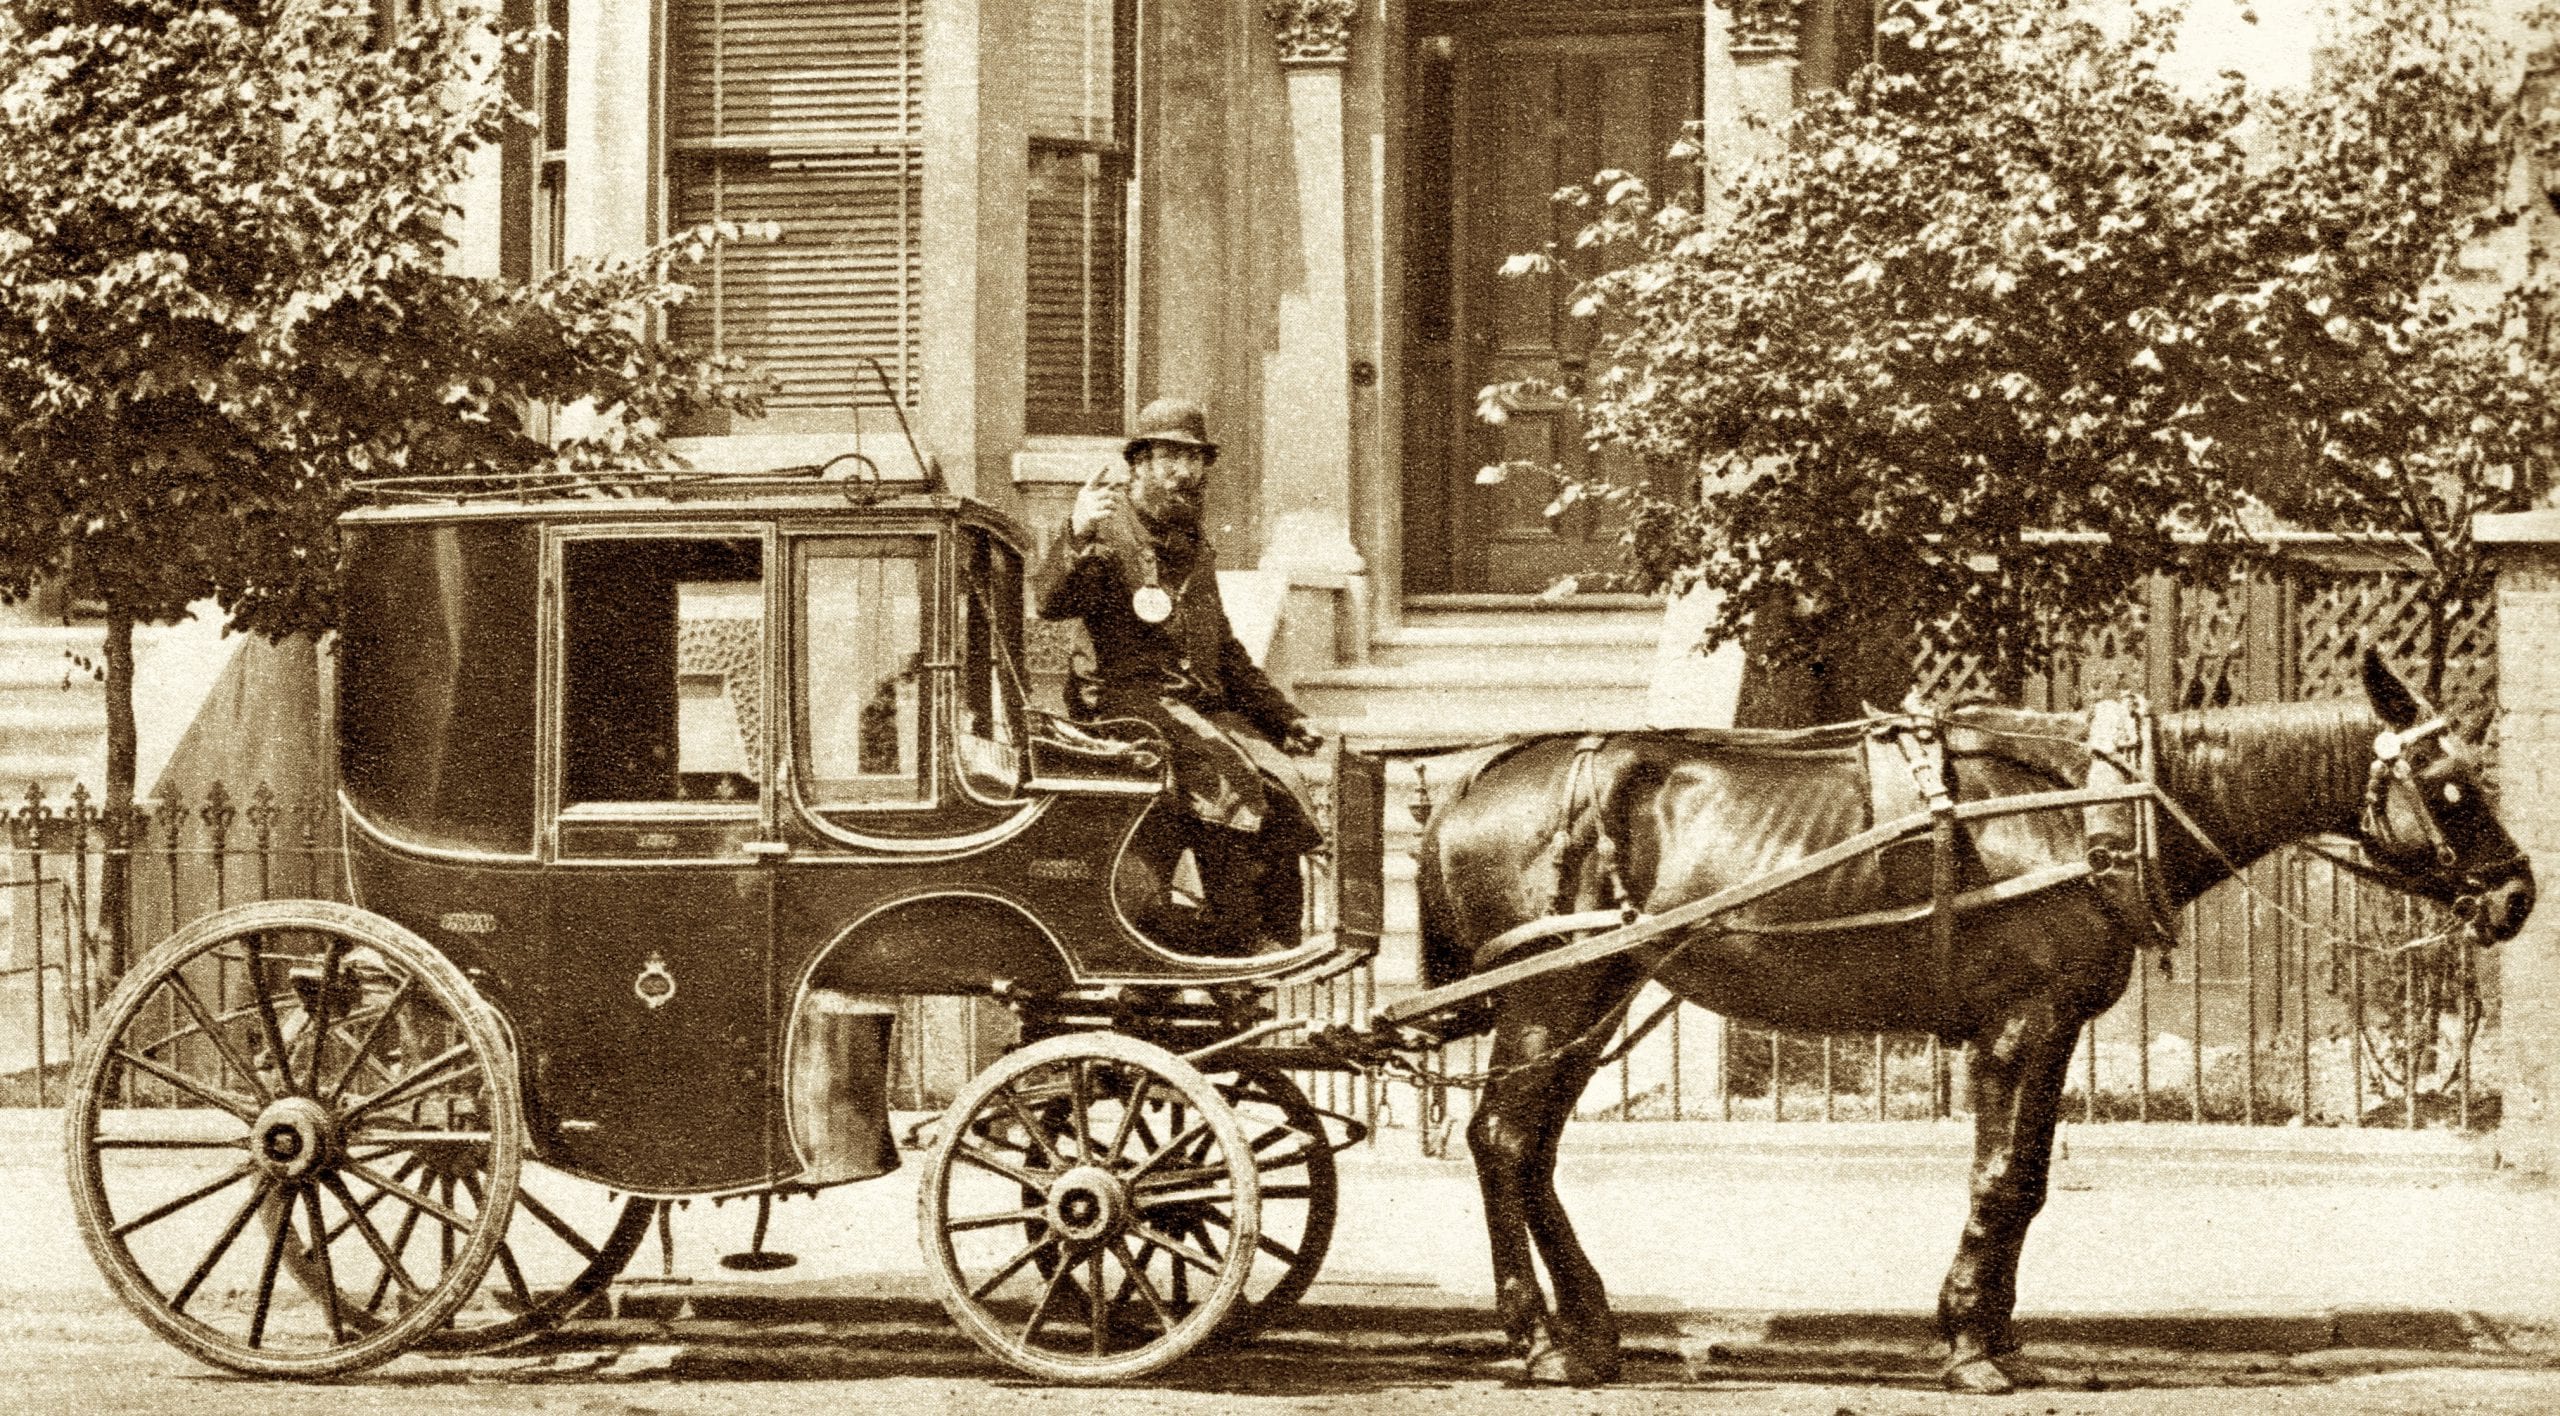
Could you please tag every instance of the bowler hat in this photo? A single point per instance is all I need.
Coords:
(1171, 420)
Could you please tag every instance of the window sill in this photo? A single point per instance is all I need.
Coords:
(1052, 459)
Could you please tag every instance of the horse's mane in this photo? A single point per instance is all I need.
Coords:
(2324, 748)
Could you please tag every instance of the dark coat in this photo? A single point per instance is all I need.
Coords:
(1189, 677)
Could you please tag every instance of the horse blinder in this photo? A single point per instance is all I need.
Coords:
(2486, 897)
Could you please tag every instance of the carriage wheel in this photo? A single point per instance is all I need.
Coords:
(552, 1264)
(1301, 1192)
(565, 1243)
(1045, 1207)
(245, 1110)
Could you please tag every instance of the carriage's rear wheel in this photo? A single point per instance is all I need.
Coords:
(245, 1111)
(565, 1243)
(1301, 1193)
(1065, 1209)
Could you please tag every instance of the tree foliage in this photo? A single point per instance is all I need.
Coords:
(226, 291)
(1981, 345)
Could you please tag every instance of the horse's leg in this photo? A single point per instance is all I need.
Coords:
(1585, 1350)
(1497, 1136)
(2014, 1078)
(1509, 1136)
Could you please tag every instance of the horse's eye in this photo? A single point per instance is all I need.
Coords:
(2453, 793)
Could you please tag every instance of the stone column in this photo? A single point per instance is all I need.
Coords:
(2526, 549)
(1306, 401)
(1761, 41)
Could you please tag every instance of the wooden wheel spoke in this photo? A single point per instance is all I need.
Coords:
(275, 1261)
(1287, 1192)
(1146, 1286)
(111, 1143)
(1033, 1215)
(1039, 1134)
(998, 1166)
(245, 1110)
(1206, 1263)
(373, 1034)
(393, 1140)
(392, 1269)
(1014, 1265)
(452, 1064)
(552, 1222)
(256, 945)
(169, 1207)
(320, 1020)
(1040, 1310)
(1130, 1117)
(1169, 1149)
(1079, 1102)
(1097, 1303)
(399, 1247)
(1152, 1201)
(222, 1245)
(220, 1039)
(415, 1200)
(522, 1291)
(328, 1267)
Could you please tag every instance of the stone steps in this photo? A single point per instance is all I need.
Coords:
(1475, 676)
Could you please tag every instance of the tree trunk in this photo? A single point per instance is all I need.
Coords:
(115, 883)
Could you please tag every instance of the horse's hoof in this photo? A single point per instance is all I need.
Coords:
(1977, 1375)
(2019, 1369)
(1550, 1365)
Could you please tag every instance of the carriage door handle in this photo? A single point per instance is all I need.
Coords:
(765, 850)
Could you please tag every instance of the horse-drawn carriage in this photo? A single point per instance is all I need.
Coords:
(658, 797)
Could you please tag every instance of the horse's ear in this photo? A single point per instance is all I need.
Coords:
(2394, 702)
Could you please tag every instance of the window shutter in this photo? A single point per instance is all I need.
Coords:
(1080, 111)
(806, 113)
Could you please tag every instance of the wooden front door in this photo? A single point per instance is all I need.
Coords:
(1505, 108)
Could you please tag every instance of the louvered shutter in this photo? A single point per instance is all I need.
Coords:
(1079, 105)
(806, 113)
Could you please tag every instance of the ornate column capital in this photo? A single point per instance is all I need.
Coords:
(1312, 31)
(1764, 29)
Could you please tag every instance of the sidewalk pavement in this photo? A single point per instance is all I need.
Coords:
(1741, 1236)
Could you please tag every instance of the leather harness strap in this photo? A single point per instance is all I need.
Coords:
(1914, 731)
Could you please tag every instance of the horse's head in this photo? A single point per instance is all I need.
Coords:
(2426, 819)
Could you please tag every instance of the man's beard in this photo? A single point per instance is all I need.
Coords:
(1164, 508)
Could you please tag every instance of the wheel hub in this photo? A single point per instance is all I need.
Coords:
(292, 1137)
(1088, 1205)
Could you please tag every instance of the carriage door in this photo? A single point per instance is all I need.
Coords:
(1506, 104)
(662, 898)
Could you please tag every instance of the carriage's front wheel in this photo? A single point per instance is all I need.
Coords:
(250, 1119)
(1063, 1209)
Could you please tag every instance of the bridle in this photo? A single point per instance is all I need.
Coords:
(2398, 865)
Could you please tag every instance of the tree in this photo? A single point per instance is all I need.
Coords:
(225, 295)
(1983, 344)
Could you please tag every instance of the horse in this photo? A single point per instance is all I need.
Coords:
(1648, 821)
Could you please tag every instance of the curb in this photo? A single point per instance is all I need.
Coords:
(1434, 1316)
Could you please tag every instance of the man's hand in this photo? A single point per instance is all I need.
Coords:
(1095, 504)
(1301, 740)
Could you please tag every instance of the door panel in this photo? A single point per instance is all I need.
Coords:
(1536, 104)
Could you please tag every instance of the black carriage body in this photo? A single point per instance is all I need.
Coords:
(650, 770)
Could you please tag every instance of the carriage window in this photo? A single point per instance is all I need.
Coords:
(861, 666)
(663, 670)
(990, 664)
